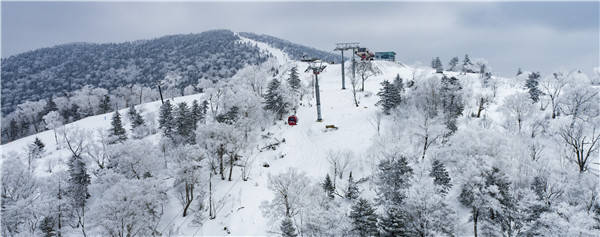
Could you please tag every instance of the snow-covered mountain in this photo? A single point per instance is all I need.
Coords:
(505, 156)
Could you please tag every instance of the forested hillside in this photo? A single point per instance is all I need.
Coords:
(294, 51)
(38, 74)
(82, 79)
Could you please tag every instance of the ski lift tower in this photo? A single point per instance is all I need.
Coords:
(316, 66)
(343, 47)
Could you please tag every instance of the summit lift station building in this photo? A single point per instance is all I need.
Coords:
(387, 56)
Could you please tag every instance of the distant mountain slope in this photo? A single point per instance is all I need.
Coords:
(41, 73)
(295, 51)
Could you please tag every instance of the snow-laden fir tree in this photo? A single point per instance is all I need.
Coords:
(399, 83)
(183, 123)
(35, 151)
(198, 113)
(436, 64)
(230, 116)
(532, 86)
(440, 176)
(389, 97)
(353, 192)
(452, 65)
(166, 120)
(392, 179)
(135, 117)
(77, 190)
(294, 79)
(104, 106)
(467, 65)
(328, 187)
(519, 71)
(117, 132)
(452, 101)
(287, 228)
(39, 144)
(364, 218)
(47, 226)
(50, 106)
(274, 100)
(393, 222)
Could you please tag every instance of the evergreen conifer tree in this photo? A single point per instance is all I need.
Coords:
(294, 79)
(453, 64)
(197, 114)
(328, 187)
(166, 121)
(274, 99)
(39, 144)
(440, 176)
(352, 192)
(399, 83)
(532, 86)
(49, 107)
(364, 219)
(47, 226)
(437, 65)
(135, 117)
(519, 71)
(467, 64)
(394, 222)
(452, 102)
(183, 121)
(287, 228)
(389, 97)
(105, 104)
(77, 190)
(117, 131)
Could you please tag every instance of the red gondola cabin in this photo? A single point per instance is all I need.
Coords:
(292, 120)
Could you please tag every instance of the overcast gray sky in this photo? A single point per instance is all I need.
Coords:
(535, 36)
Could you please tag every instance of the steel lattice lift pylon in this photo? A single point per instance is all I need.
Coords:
(343, 47)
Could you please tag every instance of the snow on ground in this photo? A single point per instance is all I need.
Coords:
(305, 148)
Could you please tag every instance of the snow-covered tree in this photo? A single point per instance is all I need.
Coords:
(77, 189)
(290, 189)
(389, 97)
(287, 228)
(392, 179)
(274, 101)
(352, 192)
(129, 207)
(552, 87)
(436, 64)
(294, 80)
(184, 123)
(452, 65)
(53, 121)
(517, 108)
(440, 176)
(188, 183)
(366, 70)
(532, 85)
(467, 66)
(328, 187)
(364, 218)
(117, 132)
(19, 193)
(166, 120)
(452, 101)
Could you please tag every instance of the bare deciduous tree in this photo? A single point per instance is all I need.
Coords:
(582, 142)
(366, 69)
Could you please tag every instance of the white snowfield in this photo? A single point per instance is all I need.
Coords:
(305, 148)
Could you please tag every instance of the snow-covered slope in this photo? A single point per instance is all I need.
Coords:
(305, 148)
